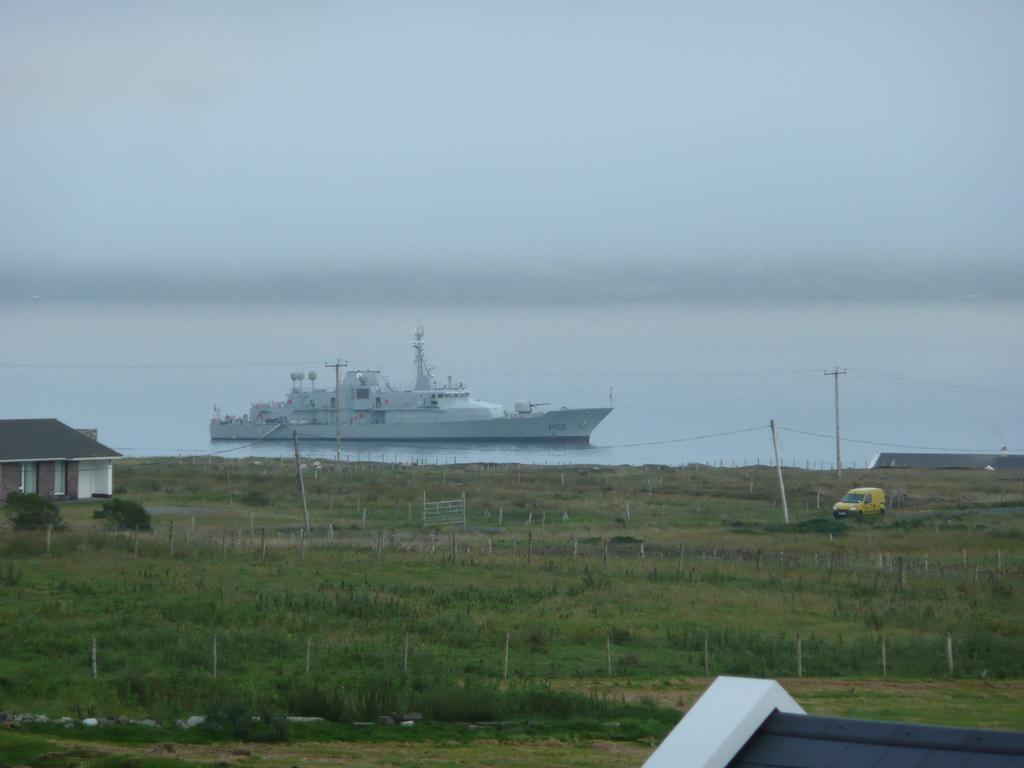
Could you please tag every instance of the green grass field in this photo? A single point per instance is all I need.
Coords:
(607, 584)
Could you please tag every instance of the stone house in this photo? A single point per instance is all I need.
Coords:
(47, 457)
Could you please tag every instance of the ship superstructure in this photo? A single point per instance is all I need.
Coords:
(370, 408)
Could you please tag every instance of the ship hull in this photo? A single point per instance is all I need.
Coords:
(570, 425)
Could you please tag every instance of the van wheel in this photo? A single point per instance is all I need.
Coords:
(882, 511)
(860, 514)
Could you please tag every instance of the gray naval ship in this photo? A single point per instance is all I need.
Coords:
(369, 408)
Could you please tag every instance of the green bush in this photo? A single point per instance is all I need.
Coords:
(29, 510)
(236, 715)
(124, 515)
(255, 499)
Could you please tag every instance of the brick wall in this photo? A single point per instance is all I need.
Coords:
(44, 479)
(10, 479)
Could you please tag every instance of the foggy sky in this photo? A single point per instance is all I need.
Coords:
(276, 139)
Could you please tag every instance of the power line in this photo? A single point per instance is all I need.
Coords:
(154, 366)
(468, 368)
(687, 439)
(899, 445)
(264, 441)
(931, 383)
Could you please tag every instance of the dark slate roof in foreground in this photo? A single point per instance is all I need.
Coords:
(807, 741)
(34, 439)
(949, 460)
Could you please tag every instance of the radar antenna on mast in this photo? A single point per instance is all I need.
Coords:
(424, 380)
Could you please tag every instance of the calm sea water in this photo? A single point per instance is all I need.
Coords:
(943, 375)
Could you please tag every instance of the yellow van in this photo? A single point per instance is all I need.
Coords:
(860, 502)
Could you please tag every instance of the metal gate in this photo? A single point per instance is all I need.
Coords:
(445, 512)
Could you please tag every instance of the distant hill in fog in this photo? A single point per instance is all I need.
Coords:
(850, 281)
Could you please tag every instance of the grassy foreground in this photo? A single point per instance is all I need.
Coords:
(615, 590)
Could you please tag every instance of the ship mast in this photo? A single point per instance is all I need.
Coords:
(423, 378)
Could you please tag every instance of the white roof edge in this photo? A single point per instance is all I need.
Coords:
(62, 458)
(721, 722)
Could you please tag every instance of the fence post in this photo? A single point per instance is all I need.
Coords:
(949, 653)
(504, 674)
(608, 652)
(309, 643)
(94, 657)
(799, 656)
(171, 539)
(135, 546)
(214, 657)
(49, 533)
(529, 547)
(884, 661)
(263, 543)
(501, 516)
(405, 654)
(223, 544)
(604, 549)
(707, 665)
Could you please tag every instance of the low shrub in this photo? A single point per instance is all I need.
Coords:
(29, 510)
(124, 515)
(241, 718)
(255, 499)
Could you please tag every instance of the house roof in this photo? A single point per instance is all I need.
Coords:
(743, 723)
(40, 439)
(800, 741)
(721, 721)
(949, 460)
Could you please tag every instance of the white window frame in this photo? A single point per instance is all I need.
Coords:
(26, 466)
(60, 472)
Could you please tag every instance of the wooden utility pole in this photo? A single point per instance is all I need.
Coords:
(302, 483)
(778, 469)
(504, 674)
(337, 365)
(835, 374)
